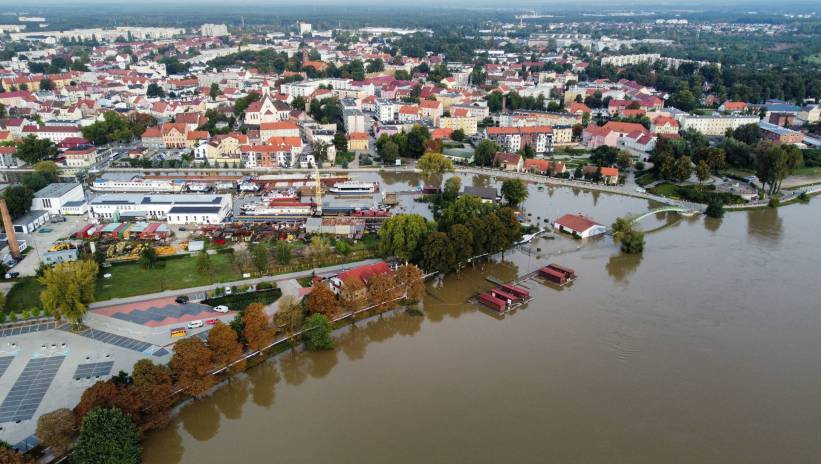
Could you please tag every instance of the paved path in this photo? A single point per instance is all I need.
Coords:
(206, 288)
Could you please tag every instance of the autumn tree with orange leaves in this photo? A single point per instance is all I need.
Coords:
(322, 300)
(382, 291)
(191, 364)
(411, 279)
(225, 346)
(258, 330)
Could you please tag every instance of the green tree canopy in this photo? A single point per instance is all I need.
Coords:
(402, 236)
(107, 436)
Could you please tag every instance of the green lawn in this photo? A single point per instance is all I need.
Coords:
(697, 194)
(645, 179)
(129, 279)
(665, 190)
(25, 294)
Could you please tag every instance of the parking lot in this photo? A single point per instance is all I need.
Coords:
(42, 239)
(44, 370)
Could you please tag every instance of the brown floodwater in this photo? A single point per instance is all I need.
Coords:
(704, 349)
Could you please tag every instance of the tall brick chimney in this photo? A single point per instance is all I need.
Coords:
(9, 226)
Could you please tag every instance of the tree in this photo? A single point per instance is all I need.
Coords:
(148, 257)
(31, 149)
(716, 159)
(452, 186)
(46, 84)
(260, 256)
(9, 456)
(773, 163)
(18, 200)
(68, 288)
(702, 171)
(624, 160)
(351, 294)
(402, 235)
(283, 252)
(191, 365)
(632, 241)
(322, 300)
(318, 333)
(461, 239)
(203, 262)
(437, 253)
(417, 137)
(154, 90)
(224, 344)
(382, 290)
(258, 330)
(434, 163)
(388, 152)
(683, 168)
(298, 103)
(57, 430)
(715, 209)
(684, 100)
(340, 141)
(457, 135)
(290, 314)
(153, 385)
(214, 91)
(484, 153)
(514, 191)
(412, 280)
(48, 169)
(107, 436)
(319, 245)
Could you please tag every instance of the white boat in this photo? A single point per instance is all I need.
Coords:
(281, 195)
(138, 184)
(353, 188)
(278, 209)
(198, 187)
(248, 187)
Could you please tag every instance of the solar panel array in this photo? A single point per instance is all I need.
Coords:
(28, 391)
(116, 340)
(8, 332)
(93, 370)
(5, 361)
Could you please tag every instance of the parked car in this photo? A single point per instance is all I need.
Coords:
(57, 218)
(211, 321)
(182, 299)
(221, 309)
(228, 290)
(194, 324)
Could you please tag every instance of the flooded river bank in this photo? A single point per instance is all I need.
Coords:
(704, 349)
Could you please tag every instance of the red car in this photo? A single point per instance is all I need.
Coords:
(211, 321)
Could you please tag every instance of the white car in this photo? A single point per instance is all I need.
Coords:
(228, 290)
(221, 309)
(194, 324)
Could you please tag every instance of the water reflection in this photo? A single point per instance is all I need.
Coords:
(621, 265)
(263, 384)
(411, 179)
(712, 224)
(764, 224)
(201, 420)
(232, 396)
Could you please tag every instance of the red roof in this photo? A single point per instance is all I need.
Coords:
(576, 222)
(364, 273)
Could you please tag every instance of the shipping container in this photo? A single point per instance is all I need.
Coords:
(504, 296)
(516, 290)
(553, 275)
(568, 273)
(492, 302)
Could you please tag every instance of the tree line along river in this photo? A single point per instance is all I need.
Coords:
(703, 349)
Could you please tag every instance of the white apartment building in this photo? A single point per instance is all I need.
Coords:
(213, 30)
(714, 125)
(354, 120)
